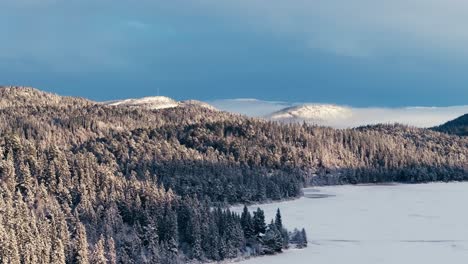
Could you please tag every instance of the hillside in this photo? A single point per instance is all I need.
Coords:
(314, 114)
(458, 126)
(18, 96)
(158, 102)
(137, 186)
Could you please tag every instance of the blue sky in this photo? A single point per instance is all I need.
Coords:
(356, 52)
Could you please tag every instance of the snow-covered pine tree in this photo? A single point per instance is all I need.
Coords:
(81, 245)
(259, 222)
(99, 253)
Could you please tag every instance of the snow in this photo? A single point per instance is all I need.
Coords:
(190, 103)
(154, 102)
(339, 116)
(316, 112)
(249, 107)
(377, 224)
(159, 102)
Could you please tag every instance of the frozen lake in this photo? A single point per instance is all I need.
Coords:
(397, 224)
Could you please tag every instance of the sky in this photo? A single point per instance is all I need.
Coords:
(363, 53)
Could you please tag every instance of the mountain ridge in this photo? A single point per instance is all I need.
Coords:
(140, 185)
(15, 96)
(158, 102)
(312, 113)
(458, 126)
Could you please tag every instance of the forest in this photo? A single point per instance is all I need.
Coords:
(458, 126)
(83, 182)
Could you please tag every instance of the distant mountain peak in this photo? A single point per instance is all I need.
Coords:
(19, 90)
(189, 103)
(312, 112)
(158, 102)
(458, 126)
(152, 102)
(14, 96)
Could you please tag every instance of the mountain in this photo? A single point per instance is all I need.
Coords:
(196, 103)
(249, 107)
(84, 182)
(337, 116)
(458, 126)
(313, 113)
(158, 102)
(18, 96)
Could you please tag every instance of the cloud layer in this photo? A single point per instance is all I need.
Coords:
(358, 52)
(354, 117)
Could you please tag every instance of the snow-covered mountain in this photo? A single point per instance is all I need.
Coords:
(319, 113)
(340, 116)
(190, 103)
(22, 96)
(154, 102)
(159, 102)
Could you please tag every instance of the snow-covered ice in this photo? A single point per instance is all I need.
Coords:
(395, 224)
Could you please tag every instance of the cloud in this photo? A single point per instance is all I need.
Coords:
(362, 27)
(249, 107)
(355, 28)
(74, 36)
(358, 51)
(355, 116)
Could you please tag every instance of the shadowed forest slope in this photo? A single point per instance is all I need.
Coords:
(133, 185)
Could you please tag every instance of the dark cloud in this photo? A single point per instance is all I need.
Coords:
(358, 52)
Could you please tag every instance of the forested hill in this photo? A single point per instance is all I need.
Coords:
(136, 186)
(458, 126)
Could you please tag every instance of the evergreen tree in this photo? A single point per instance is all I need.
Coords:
(278, 220)
(99, 254)
(299, 238)
(58, 251)
(304, 238)
(247, 224)
(273, 240)
(81, 245)
(111, 252)
(259, 222)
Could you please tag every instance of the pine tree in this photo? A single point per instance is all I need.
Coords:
(299, 238)
(304, 238)
(111, 253)
(99, 254)
(196, 245)
(278, 220)
(259, 222)
(7, 174)
(10, 251)
(246, 222)
(81, 246)
(3, 242)
(281, 229)
(151, 239)
(273, 240)
(58, 251)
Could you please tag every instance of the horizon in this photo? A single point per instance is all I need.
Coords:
(296, 52)
(238, 99)
(324, 114)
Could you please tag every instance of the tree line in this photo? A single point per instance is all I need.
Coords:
(82, 182)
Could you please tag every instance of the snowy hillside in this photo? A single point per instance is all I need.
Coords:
(159, 102)
(313, 113)
(190, 103)
(154, 102)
